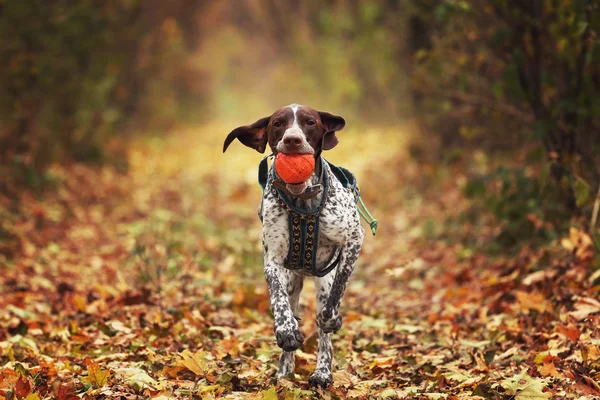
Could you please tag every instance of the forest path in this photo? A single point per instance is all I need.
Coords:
(151, 284)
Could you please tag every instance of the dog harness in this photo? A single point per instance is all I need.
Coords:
(304, 224)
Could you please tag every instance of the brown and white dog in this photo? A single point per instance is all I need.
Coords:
(303, 130)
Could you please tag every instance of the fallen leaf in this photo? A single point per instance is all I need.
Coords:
(548, 369)
(524, 387)
(22, 388)
(344, 378)
(195, 362)
(570, 331)
(96, 377)
(533, 301)
(584, 307)
(136, 378)
(65, 392)
(269, 394)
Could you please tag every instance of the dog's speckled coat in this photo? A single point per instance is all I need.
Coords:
(339, 228)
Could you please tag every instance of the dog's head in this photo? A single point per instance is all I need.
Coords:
(292, 129)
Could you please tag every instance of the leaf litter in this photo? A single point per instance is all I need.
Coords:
(149, 285)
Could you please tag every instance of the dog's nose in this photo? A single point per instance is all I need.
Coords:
(292, 140)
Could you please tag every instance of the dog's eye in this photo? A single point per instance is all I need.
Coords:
(311, 122)
(277, 124)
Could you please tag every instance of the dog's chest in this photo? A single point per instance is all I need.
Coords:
(336, 222)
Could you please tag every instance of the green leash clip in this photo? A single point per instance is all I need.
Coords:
(366, 215)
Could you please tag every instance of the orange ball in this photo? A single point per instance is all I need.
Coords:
(294, 168)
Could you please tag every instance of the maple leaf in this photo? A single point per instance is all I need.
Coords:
(96, 377)
(269, 394)
(570, 331)
(22, 388)
(533, 301)
(345, 379)
(195, 362)
(524, 387)
(136, 378)
(65, 392)
(548, 369)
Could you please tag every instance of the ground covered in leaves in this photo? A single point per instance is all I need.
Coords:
(150, 285)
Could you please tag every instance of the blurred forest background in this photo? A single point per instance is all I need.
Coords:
(484, 116)
(511, 77)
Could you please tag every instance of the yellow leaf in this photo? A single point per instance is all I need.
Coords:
(533, 301)
(79, 302)
(382, 362)
(32, 396)
(208, 389)
(195, 362)
(524, 387)
(136, 378)
(269, 394)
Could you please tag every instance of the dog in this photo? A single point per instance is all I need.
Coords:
(310, 228)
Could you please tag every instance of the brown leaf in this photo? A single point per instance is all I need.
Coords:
(65, 392)
(345, 379)
(22, 388)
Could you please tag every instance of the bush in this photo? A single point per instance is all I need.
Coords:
(76, 72)
(508, 73)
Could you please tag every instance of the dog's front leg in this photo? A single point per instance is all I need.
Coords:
(287, 360)
(328, 318)
(287, 331)
(322, 375)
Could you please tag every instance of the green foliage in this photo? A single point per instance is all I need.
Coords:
(508, 72)
(526, 208)
(76, 71)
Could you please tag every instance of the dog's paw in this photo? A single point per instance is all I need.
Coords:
(321, 378)
(329, 322)
(289, 338)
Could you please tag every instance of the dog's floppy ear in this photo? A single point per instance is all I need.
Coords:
(254, 135)
(331, 124)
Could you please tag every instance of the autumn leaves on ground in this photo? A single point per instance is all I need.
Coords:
(149, 285)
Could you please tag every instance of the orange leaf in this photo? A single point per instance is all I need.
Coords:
(571, 331)
(172, 372)
(96, 377)
(548, 369)
(533, 301)
(8, 378)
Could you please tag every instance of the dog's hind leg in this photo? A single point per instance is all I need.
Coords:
(293, 288)
(328, 317)
(322, 375)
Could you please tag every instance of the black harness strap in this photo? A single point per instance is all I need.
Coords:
(346, 178)
(303, 224)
